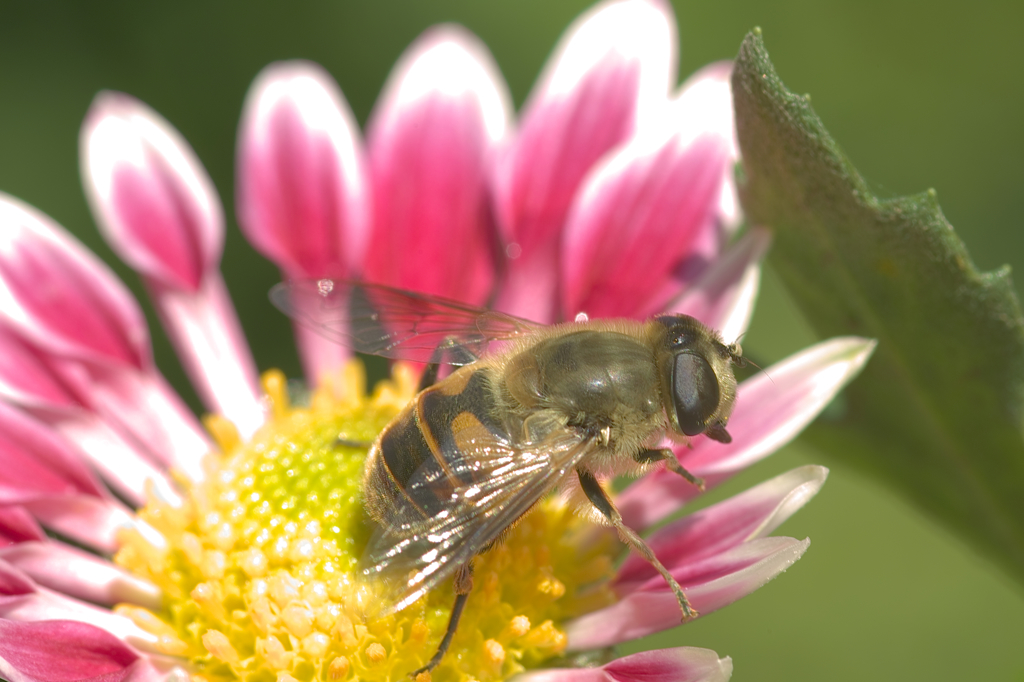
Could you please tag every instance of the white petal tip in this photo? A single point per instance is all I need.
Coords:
(639, 30)
(450, 62)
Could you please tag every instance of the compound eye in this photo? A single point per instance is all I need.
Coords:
(695, 392)
(681, 330)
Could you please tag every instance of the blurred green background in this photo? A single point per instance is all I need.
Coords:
(920, 94)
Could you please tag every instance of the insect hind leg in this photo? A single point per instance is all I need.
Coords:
(463, 586)
(599, 498)
(429, 376)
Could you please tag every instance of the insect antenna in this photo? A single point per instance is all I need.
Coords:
(740, 360)
(743, 361)
(748, 361)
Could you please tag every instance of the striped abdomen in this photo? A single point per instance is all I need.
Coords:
(421, 457)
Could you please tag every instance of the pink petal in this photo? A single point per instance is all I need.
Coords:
(146, 409)
(431, 140)
(302, 192)
(158, 669)
(159, 211)
(89, 521)
(204, 329)
(34, 461)
(83, 310)
(43, 474)
(671, 665)
(27, 377)
(705, 105)
(612, 68)
(24, 601)
(153, 201)
(320, 357)
(62, 651)
(735, 574)
(13, 583)
(769, 413)
(80, 574)
(628, 244)
(60, 393)
(775, 405)
(703, 109)
(723, 296)
(681, 664)
(17, 525)
(118, 461)
(711, 531)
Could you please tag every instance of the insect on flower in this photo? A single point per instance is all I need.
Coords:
(553, 405)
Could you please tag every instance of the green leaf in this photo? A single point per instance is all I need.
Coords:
(937, 411)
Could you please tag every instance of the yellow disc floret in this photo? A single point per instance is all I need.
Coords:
(258, 566)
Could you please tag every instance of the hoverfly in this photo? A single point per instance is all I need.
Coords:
(476, 450)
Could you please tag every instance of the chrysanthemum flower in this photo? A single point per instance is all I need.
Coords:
(136, 544)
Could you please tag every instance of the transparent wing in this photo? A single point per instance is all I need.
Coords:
(413, 554)
(405, 325)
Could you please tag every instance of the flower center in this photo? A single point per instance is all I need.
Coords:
(258, 567)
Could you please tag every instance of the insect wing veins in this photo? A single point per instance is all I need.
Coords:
(393, 323)
(430, 550)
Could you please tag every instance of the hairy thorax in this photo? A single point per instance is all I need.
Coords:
(603, 383)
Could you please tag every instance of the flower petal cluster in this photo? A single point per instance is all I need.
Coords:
(611, 195)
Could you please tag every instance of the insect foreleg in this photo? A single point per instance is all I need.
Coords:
(463, 586)
(599, 498)
(671, 463)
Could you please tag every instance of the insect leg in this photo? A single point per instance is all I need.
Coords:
(349, 443)
(429, 376)
(430, 372)
(463, 586)
(458, 354)
(599, 498)
(671, 463)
